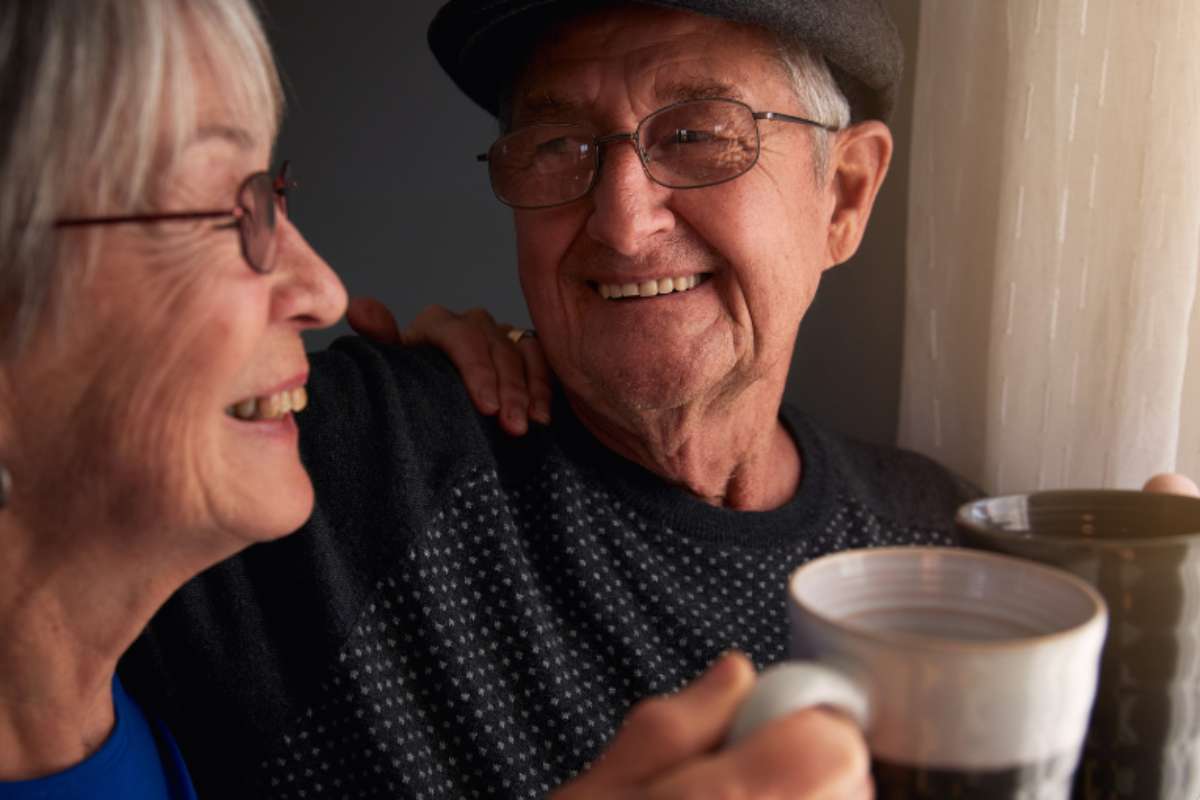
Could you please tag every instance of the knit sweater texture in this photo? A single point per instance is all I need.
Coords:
(469, 614)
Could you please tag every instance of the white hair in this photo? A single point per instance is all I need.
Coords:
(97, 98)
(819, 95)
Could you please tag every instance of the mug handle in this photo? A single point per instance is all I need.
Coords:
(795, 685)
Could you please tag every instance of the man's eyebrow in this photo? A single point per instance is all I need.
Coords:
(542, 104)
(680, 90)
(240, 137)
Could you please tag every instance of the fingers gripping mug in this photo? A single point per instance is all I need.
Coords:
(970, 674)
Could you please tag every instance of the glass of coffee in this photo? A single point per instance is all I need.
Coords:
(970, 674)
(1142, 551)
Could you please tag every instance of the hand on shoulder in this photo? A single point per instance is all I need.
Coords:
(505, 375)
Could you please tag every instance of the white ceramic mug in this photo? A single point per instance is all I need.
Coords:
(971, 674)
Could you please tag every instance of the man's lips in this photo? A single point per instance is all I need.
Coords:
(650, 288)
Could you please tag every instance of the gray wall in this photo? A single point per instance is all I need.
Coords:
(393, 198)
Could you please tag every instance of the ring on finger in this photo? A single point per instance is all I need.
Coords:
(518, 334)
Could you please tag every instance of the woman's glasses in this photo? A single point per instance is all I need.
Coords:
(258, 199)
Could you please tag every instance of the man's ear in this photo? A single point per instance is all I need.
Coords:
(858, 161)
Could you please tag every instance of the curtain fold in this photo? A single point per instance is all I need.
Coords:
(1054, 242)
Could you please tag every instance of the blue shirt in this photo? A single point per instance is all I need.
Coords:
(138, 761)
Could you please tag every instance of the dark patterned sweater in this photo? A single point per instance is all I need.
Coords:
(471, 615)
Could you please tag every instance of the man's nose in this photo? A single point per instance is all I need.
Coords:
(308, 293)
(628, 209)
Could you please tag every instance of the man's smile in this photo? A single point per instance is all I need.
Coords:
(649, 288)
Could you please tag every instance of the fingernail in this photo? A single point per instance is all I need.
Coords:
(489, 401)
(722, 674)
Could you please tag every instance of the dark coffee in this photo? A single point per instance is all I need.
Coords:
(1046, 779)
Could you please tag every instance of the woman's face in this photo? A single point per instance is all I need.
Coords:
(125, 418)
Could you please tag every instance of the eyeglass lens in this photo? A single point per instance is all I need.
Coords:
(257, 199)
(687, 145)
(701, 143)
(543, 165)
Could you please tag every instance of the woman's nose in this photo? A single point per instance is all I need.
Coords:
(309, 292)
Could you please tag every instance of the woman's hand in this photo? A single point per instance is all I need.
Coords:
(670, 747)
(502, 376)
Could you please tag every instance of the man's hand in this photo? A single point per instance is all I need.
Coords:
(670, 747)
(500, 375)
(1172, 483)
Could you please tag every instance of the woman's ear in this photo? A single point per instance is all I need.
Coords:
(859, 161)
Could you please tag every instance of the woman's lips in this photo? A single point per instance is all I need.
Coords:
(270, 406)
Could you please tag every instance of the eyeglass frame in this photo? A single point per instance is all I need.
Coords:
(280, 186)
(634, 138)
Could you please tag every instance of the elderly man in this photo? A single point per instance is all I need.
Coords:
(468, 614)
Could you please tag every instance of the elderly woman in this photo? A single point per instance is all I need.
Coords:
(152, 296)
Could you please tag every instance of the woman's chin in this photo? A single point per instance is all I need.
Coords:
(269, 508)
(264, 490)
(291, 509)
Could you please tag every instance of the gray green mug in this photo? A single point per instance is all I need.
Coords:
(1142, 551)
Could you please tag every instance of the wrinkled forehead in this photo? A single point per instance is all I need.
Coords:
(649, 56)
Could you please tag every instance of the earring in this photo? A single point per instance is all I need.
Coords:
(5, 485)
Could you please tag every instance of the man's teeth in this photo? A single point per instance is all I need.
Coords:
(614, 291)
(271, 406)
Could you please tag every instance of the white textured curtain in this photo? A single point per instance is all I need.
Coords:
(1052, 335)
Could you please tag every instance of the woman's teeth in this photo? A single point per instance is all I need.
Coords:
(614, 291)
(271, 406)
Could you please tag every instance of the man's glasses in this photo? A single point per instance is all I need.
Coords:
(254, 216)
(686, 145)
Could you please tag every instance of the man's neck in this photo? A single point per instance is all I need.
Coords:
(736, 454)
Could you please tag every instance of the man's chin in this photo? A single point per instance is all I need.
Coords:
(648, 389)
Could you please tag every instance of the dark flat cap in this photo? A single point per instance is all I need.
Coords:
(481, 43)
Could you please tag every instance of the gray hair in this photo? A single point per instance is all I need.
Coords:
(97, 98)
(819, 94)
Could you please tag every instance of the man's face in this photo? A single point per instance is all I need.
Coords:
(756, 245)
